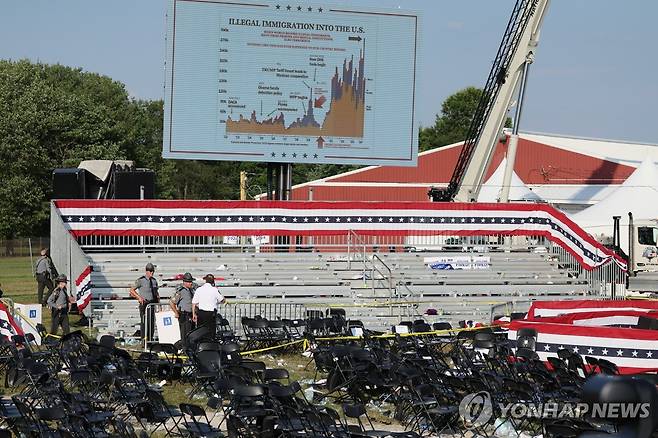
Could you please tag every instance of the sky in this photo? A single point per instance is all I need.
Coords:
(595, 72)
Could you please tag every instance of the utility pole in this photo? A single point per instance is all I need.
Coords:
(243, 185)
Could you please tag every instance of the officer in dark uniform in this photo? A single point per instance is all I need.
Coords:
(146, 292)
(60, 304)
(181, 304)
(45, 273)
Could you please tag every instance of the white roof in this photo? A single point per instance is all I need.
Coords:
(622, 152)
(638, 195)
(490, 190)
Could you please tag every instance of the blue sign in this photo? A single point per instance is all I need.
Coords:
(32, 313)
(296, 84)
(167, 320)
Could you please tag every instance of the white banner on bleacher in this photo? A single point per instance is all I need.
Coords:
(231, 240)
(458, 262)
(260, 240)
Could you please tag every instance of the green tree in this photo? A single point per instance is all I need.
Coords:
(50, 116)
(453, 121)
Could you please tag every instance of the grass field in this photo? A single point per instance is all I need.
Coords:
(17, 280)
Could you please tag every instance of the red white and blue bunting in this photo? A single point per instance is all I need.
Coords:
(217, 218)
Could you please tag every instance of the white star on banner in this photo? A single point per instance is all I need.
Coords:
(369, 219)
(139, 219)
(173, 219)
(93, 218)
(634, 353)
(161, 219)
(604, 351)
(390, 219)
(620, 352)
(104, 218)
(251, 219)
(184, 219)
(239, 218)
(380, 219)
(590, 351)
(217, 219)
(116, 219)
(127, 219)
(305, 219)
(150, 219)
(69, 218)
(272, 218)
(294, 219)
(284, 219)
(317, 219)
(81, 219)
(195, 219)
(547, 348)
(649, 354)
(206, 219)
(575, 349)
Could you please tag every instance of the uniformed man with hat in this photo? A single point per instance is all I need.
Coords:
(145, 291)
(181, 304)
(59, 302)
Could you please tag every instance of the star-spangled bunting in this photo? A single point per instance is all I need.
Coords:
(324, 218)
(8, 326)
(83, 288)
(601, 329)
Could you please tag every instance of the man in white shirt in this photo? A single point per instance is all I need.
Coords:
(205, 304)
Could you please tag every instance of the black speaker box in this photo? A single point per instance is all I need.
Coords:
(127, 184)
(69, 183)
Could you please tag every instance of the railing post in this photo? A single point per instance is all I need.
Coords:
(349, 244)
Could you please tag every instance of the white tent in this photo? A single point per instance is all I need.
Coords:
(638, 195)
(490, 191)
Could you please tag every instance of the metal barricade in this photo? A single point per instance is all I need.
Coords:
(149, 316)
(235, 311)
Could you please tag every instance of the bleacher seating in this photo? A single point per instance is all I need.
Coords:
(319, 280)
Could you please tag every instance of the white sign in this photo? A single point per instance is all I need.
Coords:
(458, 262)
(231, 240)
(27, 316)
(260, 240)
(167, 326)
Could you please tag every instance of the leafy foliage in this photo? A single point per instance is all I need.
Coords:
(454, 120)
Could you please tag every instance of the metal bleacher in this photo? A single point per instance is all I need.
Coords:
(377, 288)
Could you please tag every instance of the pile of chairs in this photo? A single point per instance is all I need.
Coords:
(424, 379)
(85, 388)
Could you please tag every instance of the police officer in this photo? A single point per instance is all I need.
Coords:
(44, 272)
(60, 304)
(181, 304)
(146, 292)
